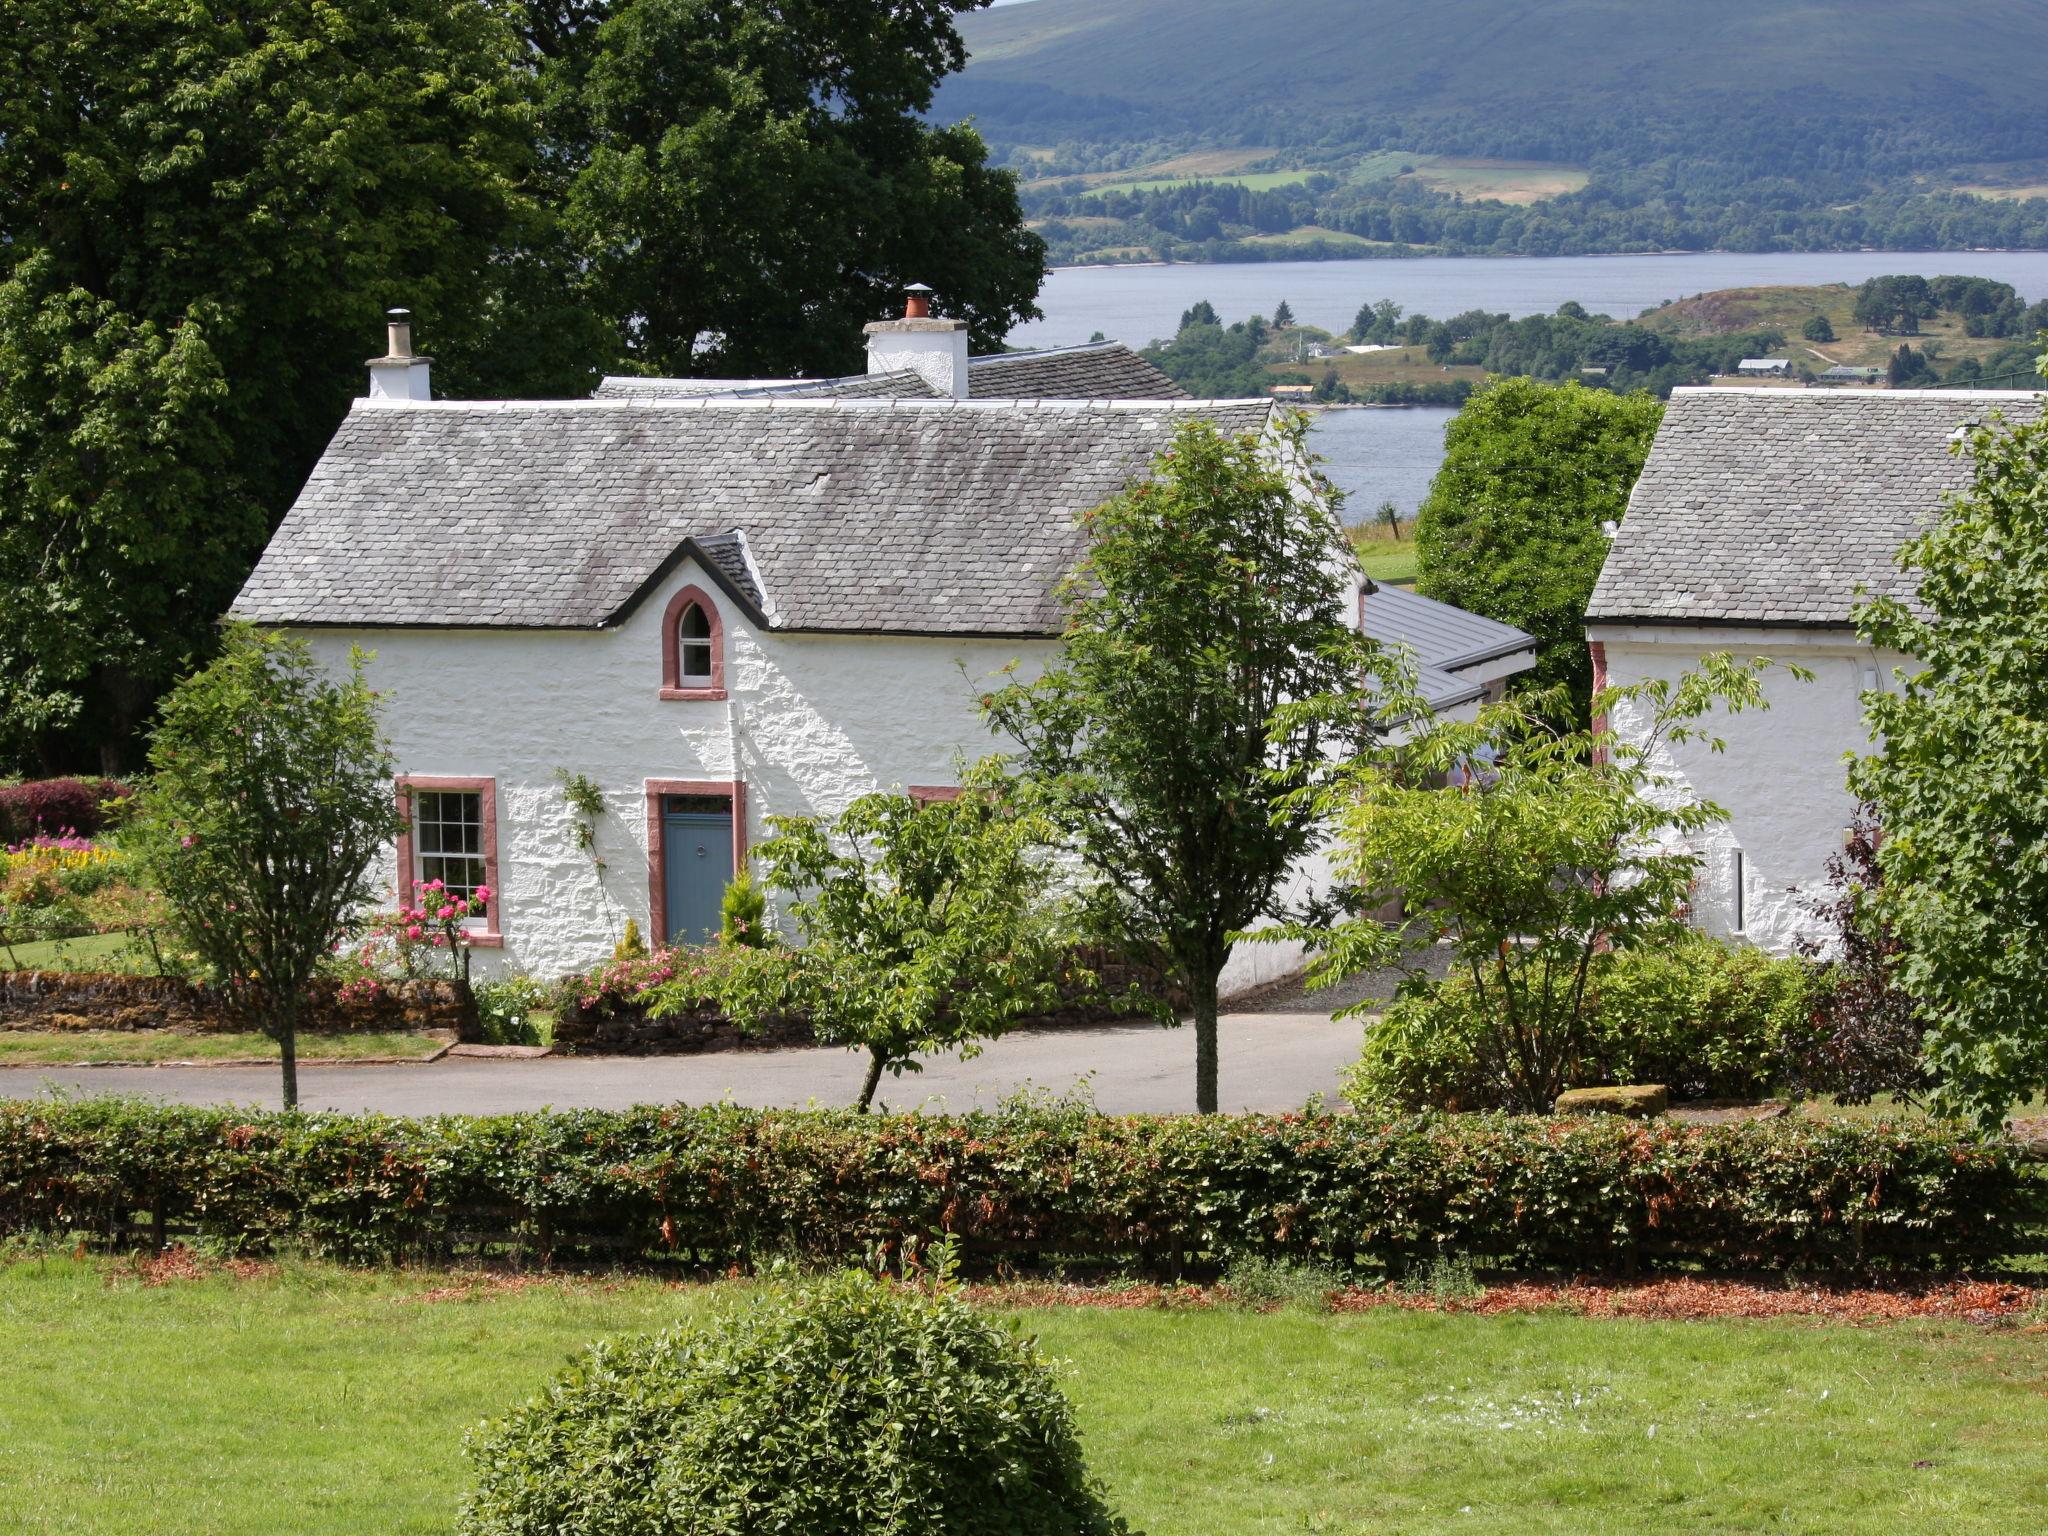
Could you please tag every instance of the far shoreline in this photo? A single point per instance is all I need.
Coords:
(1414, 254)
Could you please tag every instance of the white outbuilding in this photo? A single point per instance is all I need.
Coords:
(1760, 517)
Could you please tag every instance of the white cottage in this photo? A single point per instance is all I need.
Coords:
(719, 602)
(1759, 517)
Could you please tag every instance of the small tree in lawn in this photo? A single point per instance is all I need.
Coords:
(270, 796)
(1531, 848)
(924, 927)
(1961, 786)
(1210, 672)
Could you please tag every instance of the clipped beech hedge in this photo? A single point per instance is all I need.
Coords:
(1159, 1195)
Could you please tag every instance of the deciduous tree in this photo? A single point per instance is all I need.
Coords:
(1960, 786)
(269, 798)
(1531, 849)
(205, 210)
(1512, 525)
(752, 182)
(924, 927)
(1210, 672)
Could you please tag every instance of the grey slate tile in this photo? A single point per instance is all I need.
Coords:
(1773, 506)
(890, 517)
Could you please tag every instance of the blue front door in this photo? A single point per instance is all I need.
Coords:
(696, 852)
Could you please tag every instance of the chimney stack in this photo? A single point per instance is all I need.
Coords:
(935, 350)
(399, 377)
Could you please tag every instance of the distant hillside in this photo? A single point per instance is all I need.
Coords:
(1620, 121)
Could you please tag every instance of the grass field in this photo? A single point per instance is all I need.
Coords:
(1506, 181)
(1392, 561)
(91, 952)
(46, 1048)
(1202, 165)
(1408, 365)
(1256, 181)
(1787, 308)
(328, 1402)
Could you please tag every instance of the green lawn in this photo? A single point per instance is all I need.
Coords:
(322, 1400)
(43, 1048)
(1389, 560)
(92, 952)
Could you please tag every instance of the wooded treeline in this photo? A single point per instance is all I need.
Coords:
(205, 209)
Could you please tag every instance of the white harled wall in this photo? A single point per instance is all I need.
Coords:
(810, 722)
(1782, 779)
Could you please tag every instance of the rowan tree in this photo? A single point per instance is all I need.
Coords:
(1209, 675)
(269, 799)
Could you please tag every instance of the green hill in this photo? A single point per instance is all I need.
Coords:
(1759, 107)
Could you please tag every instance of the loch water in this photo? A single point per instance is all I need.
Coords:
(1390, 455)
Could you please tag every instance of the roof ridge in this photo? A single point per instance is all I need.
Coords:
(1765, 391)
(779, 402)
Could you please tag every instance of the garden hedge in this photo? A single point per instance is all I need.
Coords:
(1163, 1195)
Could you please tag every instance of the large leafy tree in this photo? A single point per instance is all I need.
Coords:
(749, 183)
(268, 801)
(1960, 786)
(1512, 525)
(203, 210)
(1209, 676)
(124, 525)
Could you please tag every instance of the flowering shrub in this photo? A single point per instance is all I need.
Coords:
(622, 983)
(62, 885)
(423, 941)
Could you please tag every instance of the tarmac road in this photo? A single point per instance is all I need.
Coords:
(1270, 1061)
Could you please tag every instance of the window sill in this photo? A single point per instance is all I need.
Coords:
(483, 941)
(705, 695)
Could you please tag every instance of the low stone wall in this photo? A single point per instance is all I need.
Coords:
(55, 1000)
(633, 1031)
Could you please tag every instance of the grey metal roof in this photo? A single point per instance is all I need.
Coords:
(1774, 506)
(1106, 370)
(1444, 641)
(922, 517)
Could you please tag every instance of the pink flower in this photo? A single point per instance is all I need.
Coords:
(415, 932)
(446, 913)
(436, 885)
(483, 893)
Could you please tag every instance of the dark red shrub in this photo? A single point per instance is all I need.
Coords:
(51, 806)
(1865, 1032)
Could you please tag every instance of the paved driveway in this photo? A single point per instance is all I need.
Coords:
(1270, 1061)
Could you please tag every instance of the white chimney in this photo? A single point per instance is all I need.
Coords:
(399, 377)
(936, 350)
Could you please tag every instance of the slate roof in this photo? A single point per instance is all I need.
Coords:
(1443, 641)
(1098, 371)
(1773, 506)
(917, 517)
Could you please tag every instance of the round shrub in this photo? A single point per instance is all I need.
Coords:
(52, 807)
(1708, 1020)
(856, 1408)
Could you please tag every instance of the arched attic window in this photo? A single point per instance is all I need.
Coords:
(692, 647)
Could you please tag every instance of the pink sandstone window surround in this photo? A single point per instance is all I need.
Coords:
(443, 817)
(732, 790)
(926, 794)
(692, 663)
